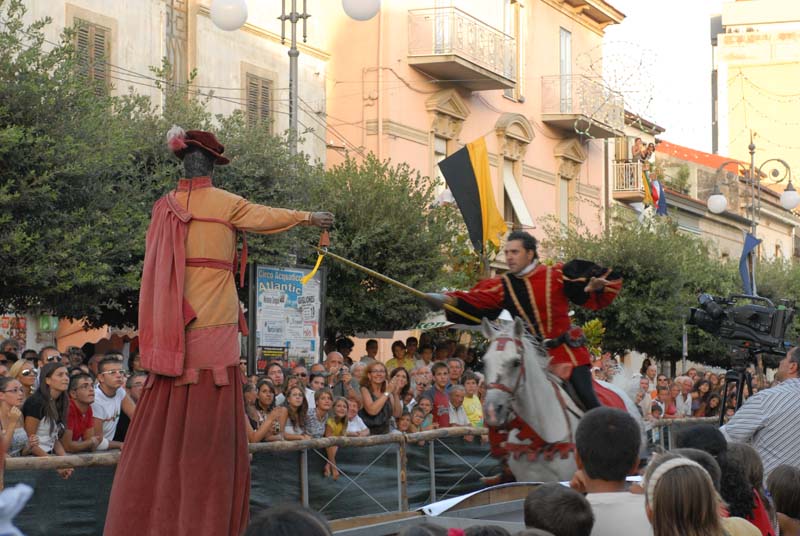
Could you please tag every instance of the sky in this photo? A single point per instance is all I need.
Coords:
(659, 57)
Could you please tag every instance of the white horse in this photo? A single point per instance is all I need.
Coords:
(524, 396)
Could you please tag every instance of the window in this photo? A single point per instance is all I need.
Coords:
(259, 103)
(92, 43)
(565, 69)
(439, 154)
(515, 213)
(563, 201)
(513, 26)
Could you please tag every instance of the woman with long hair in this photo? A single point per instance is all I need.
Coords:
(263, 418)
(265, 399)
(294, 416)
(747, 458)
(45, 412)
(713, 406)
(680, 500)
(700, 393)
(336, 426)
(250, 395)
(24, 372)
(380, 399)
(11, 424)
(403, 383)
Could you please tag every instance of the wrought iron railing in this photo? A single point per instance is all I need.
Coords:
(628, 176)
(450, 31)
(582, 95)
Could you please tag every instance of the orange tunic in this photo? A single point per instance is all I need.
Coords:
(212, 340)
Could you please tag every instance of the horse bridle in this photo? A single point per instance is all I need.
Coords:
(501, 342)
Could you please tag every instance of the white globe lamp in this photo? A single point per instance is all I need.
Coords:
(229, 15)
(361, 9)
(790, 198)
(717, 202)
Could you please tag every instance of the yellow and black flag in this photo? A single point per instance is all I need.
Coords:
(469, 178)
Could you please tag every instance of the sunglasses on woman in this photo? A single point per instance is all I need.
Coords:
(28, 372)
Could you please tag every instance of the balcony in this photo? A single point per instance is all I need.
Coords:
(450, 45)
(580, 104)
(628, 186)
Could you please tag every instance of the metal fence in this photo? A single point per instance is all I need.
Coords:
(583, 95)
(379, 474)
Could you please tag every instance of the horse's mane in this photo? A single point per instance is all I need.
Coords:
(532, 345)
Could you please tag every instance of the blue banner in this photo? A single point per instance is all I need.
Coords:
(750, 243)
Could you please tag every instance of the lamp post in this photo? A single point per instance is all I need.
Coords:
(789, 198)
(231, 15)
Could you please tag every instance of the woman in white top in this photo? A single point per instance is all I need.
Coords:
(293, 416)
(45, 412)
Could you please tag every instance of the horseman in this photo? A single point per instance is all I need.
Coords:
(541, 296)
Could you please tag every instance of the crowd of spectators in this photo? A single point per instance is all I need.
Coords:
(696, 393)
(53, 404)
(718, 481)
(422, 387)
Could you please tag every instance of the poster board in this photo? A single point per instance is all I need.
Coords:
(14, 327)
(289, 315)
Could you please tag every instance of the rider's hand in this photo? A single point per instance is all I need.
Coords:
(436, 301)
(322, 219)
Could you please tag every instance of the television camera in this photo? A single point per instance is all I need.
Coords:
(756, 327)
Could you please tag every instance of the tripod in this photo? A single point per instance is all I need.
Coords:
(740, 377)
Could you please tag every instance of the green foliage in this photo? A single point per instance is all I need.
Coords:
(385, 220)
(594, 331)
(663, 270)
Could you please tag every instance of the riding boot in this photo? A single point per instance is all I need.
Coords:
(581, 381)
(505, 475)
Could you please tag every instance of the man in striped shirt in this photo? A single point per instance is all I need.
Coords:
(770, 420)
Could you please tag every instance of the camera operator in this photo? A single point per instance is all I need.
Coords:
(339, 379)
(769, 421)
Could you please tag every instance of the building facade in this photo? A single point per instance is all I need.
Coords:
(120, 42)
(756, 73)
(425, 77)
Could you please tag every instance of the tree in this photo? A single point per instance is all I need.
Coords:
(386, 220)
(664, 269)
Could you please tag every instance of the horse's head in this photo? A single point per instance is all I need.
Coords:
(504, 368)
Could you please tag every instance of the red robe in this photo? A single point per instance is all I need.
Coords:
(542, 299)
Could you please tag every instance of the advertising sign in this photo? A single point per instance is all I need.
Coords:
(288, 313)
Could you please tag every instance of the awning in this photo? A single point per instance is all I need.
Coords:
(515, 196)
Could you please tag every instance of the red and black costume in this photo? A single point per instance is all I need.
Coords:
(541, 297)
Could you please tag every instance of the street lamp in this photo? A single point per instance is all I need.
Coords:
(789, 198)
(230, 15)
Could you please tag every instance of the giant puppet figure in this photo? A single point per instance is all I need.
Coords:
(541, 296)
(184, 469)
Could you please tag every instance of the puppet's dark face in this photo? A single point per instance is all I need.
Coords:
(198, 163)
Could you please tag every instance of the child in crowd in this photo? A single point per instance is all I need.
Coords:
(472, 403)
(417, 418)
(559, 510)
(355, 426)
(438, 394)
(784, 487)
(335, 426)
(426, 406)
(403, 424)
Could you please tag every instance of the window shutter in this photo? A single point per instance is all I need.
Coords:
(82, 44)
(258, 107)
(92, 44)
(265, 106)
(99, 58)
